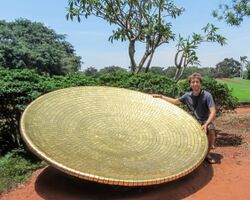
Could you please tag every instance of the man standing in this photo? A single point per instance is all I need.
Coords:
(202, 105)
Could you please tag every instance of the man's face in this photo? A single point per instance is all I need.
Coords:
(195, 84)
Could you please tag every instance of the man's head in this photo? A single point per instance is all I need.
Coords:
(195, 81)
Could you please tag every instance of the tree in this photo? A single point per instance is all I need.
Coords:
(157, 70)
(204, 71)
(136, 21)
(186, 48)
(248, 70)
(91, 71)
(233, 12)
(26, 44)
(243, 60)
(228, 68)
(111, 69)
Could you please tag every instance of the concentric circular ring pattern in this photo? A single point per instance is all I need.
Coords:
(113, 135)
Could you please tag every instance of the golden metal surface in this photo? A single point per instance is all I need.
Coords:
(113, 135)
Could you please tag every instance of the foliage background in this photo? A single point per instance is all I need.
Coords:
(31, 45)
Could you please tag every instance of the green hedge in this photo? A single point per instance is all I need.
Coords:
(19, 87)
(144, 82)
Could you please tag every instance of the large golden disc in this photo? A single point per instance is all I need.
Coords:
(113, 135)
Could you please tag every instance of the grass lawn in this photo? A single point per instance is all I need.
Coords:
(240, 88)
(15, 168)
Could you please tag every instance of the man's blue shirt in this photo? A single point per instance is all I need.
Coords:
(199, 105)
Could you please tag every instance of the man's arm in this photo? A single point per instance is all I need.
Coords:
(168, 99)
(211, 117)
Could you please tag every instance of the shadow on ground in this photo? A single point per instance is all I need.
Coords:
(52, 184)
(224, 139)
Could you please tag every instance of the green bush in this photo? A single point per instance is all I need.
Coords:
(144, 82)
(17, 89)
(70, 80)
(116, 79)
(20, 87)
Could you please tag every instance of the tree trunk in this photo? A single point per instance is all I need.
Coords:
(144, 58)
(180, 74)
(149, 61)
(177, 72)
(131, 52)
(178, 64)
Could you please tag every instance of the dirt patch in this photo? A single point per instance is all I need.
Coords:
(243, 110)
(228, 179)
(228, 80)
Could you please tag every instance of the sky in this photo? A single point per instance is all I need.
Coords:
(90, 36)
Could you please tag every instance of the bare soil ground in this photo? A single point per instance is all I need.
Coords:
(228, 80)
(228, 179)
